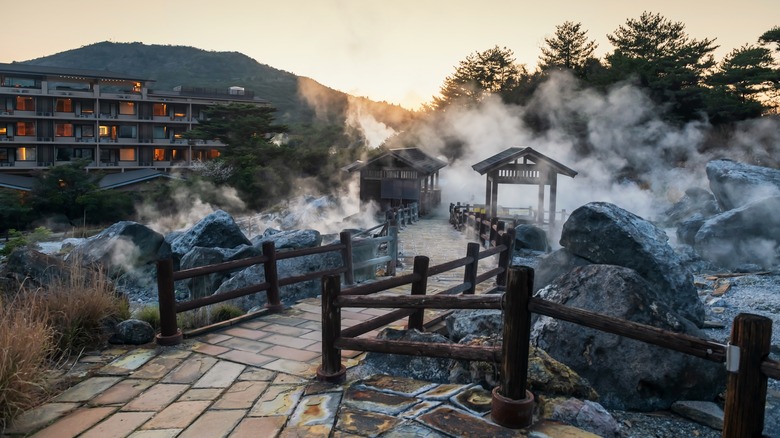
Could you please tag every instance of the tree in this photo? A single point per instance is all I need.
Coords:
(16, 213)
(569, 49)
(662, 58)
(746, 76)
(481, 74)
(70, 190)
(771, 36)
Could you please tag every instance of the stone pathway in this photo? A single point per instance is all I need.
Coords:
(256, 379)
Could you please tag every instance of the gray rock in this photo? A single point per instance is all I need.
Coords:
(747, 234)
(604, 233)
(697, 201)
(286, 268)
(217, 230)
(531, 237)
(702, 412)
(33, 268)
(480, 322)
(133, 332)
(583, 414)
(120, 247)
(292, 239)
(687, 229)
(627, 374)
(555, 264)
(736, 184)
(203, 285)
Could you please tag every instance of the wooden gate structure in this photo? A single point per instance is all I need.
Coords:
(522, 166)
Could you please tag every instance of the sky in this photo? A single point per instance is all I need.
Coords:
(395, 51)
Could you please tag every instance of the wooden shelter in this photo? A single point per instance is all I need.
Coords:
(399, 177)
(522, 166)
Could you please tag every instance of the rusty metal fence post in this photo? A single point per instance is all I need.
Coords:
(169, 332)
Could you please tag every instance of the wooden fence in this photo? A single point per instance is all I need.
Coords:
(476, 222)
(746, 356)
(404, 215)
(170, 334)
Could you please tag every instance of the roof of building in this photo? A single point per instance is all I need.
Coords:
(114, 180)
(513, 154)
(413, 157)
(17, 182)
(44, 70)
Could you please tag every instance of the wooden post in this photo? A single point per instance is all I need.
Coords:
(331, 369)
(505, 259)
(392, 248)
(470, 270)
(517, 332)
(345, 237)
(169, 332)
(274, 303)
(493, 236)
(553, 176)
(419, 287)
(512, 404)
(746, 388)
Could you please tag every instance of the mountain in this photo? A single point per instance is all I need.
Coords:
(170, 66)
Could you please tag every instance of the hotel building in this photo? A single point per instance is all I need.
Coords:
(52, 115)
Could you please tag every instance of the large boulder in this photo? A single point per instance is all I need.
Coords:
(217, 230)
(291, 239)
(286, 268)
(627, 374)
(749, 234)
(531, 237)
(697, 201)
(555, 264)
(429, 369)
(120, 248)
(736, 184)
(604, 233)
(30, 268)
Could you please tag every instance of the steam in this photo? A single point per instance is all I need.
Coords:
(374, 131)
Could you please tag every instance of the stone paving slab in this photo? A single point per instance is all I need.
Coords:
(257, 379)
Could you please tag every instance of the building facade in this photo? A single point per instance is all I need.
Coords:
(51, 116)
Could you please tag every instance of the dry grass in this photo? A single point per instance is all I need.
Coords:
(26, 344)
(80, 306)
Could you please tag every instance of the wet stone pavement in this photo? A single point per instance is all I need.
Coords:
(257, 379)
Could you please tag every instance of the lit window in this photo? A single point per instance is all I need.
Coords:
(25, 154)
(25, 103)
(63, 130)
(87, 107)
(160, 155)
(64, 106)
(3, 130)
(127, 108)
(160, 109)
(25, 129)
(127, 154)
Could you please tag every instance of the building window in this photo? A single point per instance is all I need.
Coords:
(64, 106)
(179, 112)
(87, 130)
(84, 153)
(127, 108)
(25, 129)
(107, 131)
(87, 107)
(63, 130)
(127, 154)
(160, 132)
(25, 103)
(18, 82)
(4, 155)
(127, 132)
(161, 155)
(160, 109)
(3, 130)
(25, 154)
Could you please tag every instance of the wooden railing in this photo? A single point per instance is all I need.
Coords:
(746, 357)
(404, 215)
(476, 222)
(170, 334)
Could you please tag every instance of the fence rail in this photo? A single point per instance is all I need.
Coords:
(170, 334)
(746, 357)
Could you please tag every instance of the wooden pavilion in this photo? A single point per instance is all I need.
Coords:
(399, 177)
(522, 166)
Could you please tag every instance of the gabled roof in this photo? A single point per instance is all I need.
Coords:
(114, 180)
(413, 157)
(17, 182)
(512, 154)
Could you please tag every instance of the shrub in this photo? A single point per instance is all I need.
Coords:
(150, 314)
(25, 345)
(224, 312)
(80, 306)
(192, 318)
(15, 240)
